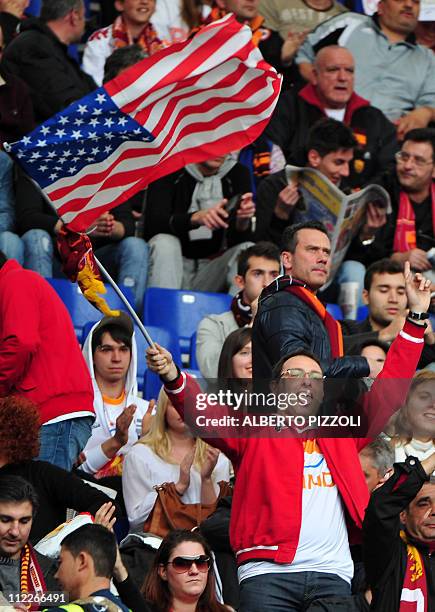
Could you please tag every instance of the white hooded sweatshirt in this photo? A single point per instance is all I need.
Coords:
(104, 426)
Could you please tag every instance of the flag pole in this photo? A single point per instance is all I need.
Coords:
(105, 273)
(126, 303)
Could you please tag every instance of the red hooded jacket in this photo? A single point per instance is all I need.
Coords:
(266, 513)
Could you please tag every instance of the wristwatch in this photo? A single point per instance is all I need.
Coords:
(418, 316)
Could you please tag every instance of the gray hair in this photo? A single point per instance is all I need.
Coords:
(51, 10)
(381, 454)
(121, 59)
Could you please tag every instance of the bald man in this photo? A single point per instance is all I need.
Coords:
(332, 94)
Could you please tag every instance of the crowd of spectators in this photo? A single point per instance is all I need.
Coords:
(111, 501)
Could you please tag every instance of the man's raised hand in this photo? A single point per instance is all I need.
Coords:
(417, 290)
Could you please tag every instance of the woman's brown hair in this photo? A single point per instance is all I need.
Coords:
(19, 429)
(156, 591)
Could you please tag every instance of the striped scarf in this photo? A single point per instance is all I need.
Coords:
(147, 39)
(31, 576)
(414, 596)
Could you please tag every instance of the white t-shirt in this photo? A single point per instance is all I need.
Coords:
(143, 469)
(168, 22)
(323, 541)
(336, 113)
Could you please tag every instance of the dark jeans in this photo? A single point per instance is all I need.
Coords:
(289, 592)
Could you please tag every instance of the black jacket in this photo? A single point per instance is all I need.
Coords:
(385, 553)
(296, 112)
(382, 246)
(38, 57)
(33, 212)
(285, 324)
(356, 333)
(169, 199)
(57, 491)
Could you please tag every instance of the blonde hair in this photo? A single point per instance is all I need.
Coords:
(158, 438)
(403, 433)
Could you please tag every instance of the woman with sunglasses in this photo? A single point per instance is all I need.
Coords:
(181, 578)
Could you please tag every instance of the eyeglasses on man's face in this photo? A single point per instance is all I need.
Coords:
(183, 564)
(402, 157)
(300, 373)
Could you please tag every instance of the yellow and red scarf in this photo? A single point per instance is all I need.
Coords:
(259, 32)
(31, 576)
(147, 39)
(405, 237)
(414, 594)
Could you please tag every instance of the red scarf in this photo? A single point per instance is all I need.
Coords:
(147, 39)
(333, 327)
(414, 589)
(405, 237)
(242, 312)
(31, 576)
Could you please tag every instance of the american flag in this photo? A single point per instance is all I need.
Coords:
(193, 101)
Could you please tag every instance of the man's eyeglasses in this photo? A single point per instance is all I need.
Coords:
(299, 373)
(402, 157)
(183, 564)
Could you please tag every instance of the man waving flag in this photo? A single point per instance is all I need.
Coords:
(192, 101)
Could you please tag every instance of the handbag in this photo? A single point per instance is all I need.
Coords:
(170, 512)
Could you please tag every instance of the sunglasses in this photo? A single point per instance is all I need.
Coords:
(183, 564)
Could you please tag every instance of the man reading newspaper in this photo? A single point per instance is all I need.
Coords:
(316, 193)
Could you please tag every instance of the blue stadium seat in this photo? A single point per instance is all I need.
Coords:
(363, 313)
(193, 363)
(80, 310)
(335, 311)
(159, 335)
(180, 311)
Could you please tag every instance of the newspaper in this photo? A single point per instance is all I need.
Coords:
(342, 215)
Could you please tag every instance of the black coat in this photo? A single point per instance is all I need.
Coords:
(285, 324)
(57, 491)
(382, 246)
(38, 57)
(385, 553)
(168, 202)
(294, 115)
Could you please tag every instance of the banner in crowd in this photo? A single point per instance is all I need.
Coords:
(193, 101)
(341, 214)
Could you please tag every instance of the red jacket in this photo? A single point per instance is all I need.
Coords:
(267, 502)
(40, 358)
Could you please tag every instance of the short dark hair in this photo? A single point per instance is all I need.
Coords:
(98, 542)
(422, 135)
(16, 489)
(328, 136)
(382, 266)
(276, 370)
(265, 249)
(56, 9)
(3, 259)
(121, 59)
(289, 239)
(358, 349)
(118, 333)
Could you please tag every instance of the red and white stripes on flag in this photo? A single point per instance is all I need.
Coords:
(193, 101)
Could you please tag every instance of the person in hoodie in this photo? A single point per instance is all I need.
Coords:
(121, 416)
(331, 94)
